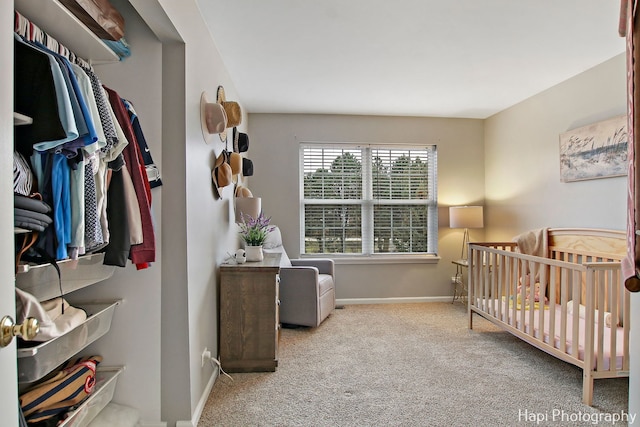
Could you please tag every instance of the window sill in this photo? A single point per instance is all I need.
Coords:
(378, 259)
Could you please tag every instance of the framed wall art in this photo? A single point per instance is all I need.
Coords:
(598, 150)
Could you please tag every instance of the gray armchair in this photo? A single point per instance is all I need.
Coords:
(307, 286)
(307, 291)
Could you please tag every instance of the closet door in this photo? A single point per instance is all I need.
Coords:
(8, 371)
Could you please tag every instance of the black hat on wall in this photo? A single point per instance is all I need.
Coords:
(240, 141)
(247, 167)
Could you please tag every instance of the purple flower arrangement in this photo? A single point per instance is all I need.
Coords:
(254, 231)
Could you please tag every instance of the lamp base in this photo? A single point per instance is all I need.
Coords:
(465, 242)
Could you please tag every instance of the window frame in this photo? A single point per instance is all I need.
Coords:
(367, 203)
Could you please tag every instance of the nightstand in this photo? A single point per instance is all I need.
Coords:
(249, 315)
(459, 285)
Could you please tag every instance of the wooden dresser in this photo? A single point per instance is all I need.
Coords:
(249, 318)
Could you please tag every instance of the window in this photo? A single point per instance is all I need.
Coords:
(368, 199)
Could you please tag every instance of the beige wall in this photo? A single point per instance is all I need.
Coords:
(274, 142)
(510, 163)
(167, 74)
(522, 174)
(523, 187)
(513, 157)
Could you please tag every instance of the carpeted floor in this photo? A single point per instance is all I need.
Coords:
(410, 365)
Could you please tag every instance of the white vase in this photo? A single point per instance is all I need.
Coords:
(254, 253)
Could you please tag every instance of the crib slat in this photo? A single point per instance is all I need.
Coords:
(499, 270)
(508, 273)
(492, 280)
(532, 269)
(552, 306)
(626, 319)
(541, 305)
(471, 285)
(486, 281)
(601, 308)
(522, 269)
(589, 320)
(513, 305)
(564, 296)
(575, 333)
(613, 292)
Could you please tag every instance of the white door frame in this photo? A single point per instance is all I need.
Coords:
(8, 369)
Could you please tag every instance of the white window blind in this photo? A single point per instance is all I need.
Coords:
(368, 199)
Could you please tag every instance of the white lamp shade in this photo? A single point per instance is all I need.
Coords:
(466, 217)
(248, 206)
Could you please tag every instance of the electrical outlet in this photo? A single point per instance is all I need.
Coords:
(206, 355)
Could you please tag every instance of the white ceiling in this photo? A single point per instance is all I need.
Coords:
(445, 58)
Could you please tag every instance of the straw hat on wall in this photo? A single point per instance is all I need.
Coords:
(213, 118)
(232, 110)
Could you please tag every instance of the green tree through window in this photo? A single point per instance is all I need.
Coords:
(368, 199)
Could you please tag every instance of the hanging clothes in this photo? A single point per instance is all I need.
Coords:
(93, 236)
(111, 137)
(35, 96)
(153, 172)
(87, 152)
(84, 122)
(119, 247)
(144, 253)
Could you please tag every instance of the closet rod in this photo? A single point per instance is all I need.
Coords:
(31, 32)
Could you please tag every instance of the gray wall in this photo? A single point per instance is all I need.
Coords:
(274, 143)
(139, 80)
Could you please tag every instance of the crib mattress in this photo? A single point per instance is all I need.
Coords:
(507, 316)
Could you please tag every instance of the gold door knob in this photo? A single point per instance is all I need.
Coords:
(8, 329)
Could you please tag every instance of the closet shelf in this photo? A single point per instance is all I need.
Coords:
(57, 21)
(106, 380)
(42, 280)
(37, 361)
(21, 119)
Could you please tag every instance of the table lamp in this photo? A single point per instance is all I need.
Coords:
(248, 206)
(465, 217)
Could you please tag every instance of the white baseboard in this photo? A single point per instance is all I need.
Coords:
(200, 406)
(396, 300)
(151, 424)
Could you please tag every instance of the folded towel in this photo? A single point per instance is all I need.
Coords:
(29, 223)
(30, 204)
(30, 220)
(56, 316)
(582, 311)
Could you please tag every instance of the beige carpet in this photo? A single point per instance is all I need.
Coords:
(409, 365)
